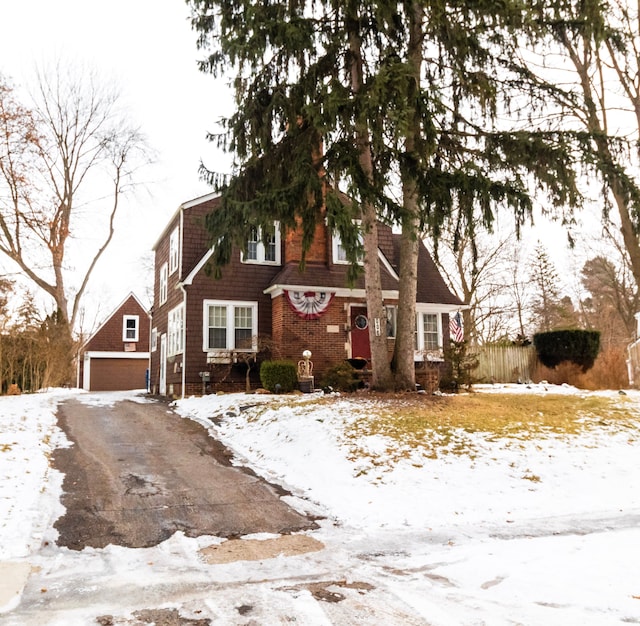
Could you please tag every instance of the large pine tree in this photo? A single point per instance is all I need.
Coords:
(396, 103)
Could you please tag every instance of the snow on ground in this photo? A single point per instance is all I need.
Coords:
(539, 531)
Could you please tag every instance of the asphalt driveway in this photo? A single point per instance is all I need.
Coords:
(137, 473)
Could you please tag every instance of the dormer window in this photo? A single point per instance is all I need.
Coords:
(339, 250)
(263, 245)
(130, 328)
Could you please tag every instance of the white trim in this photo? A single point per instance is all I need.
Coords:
(175, 337)
(261, 248)
(163, 294)
(86, 374)
(200, 200)
(201, 263)
(336, 244)
(184, 335)
(181, 243)
(387, 265)
(185, 205)
(162, 379)
(136, 328)
(96, 354)
(174, 250)
(421, 352)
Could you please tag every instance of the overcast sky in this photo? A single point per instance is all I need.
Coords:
(147, 49)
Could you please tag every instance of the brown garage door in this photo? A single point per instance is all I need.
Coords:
(118, 374)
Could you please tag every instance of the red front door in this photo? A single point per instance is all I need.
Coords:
(360, 347)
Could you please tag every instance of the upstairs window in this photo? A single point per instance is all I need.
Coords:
(164, 283)
(263, 245)
(340, 251)
(174, 245)
(130, 326)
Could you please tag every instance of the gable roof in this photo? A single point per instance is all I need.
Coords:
(113, 313)
(185, 205)
(431, 287)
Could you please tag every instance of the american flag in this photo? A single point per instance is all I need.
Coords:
(455, 328)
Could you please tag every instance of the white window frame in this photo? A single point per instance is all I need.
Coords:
(174, 250)
(230, 306)
(125, 328)
(175, 330)
(154, 339)
(163, 290)
(338, 251)
(423, 353)
(261, 249)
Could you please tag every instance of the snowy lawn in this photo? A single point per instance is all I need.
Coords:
(467, 462)
(526, 498)
(514, 505)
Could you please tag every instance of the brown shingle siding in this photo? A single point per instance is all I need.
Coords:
(328, 337)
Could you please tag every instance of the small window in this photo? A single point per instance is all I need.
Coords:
(164, 283)
(263, 245)
(130, 325)
(174, 252)
(154, 339)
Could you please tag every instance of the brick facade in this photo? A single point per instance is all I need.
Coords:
(281, 332)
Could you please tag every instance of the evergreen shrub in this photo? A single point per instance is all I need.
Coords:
(461, 362)
(341, 377)
(574, 346)
(283, 373)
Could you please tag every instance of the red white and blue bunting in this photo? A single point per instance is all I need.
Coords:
(309, 305)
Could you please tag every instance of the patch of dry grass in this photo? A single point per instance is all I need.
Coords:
(449, 425)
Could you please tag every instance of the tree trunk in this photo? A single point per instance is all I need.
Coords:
(381, 377)
(403, 358)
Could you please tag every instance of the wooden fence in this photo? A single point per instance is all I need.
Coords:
(505, 364)
(633, 363)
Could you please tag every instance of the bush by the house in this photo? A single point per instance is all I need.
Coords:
(460, 363)
(341, 377)
(576, 346)
(282, 373)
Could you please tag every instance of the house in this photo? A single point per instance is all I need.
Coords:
(204, 329)
(116, 356)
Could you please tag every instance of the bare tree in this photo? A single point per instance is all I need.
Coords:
(594, 55)
(65, 162)
(474, 271)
